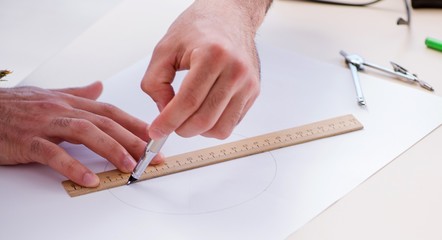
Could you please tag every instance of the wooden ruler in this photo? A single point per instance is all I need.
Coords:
(225, 152)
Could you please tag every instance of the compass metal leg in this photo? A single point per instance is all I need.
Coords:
(359, 95)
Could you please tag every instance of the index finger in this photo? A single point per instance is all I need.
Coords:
(204, 72)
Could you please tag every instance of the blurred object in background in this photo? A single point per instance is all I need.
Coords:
(426, 3)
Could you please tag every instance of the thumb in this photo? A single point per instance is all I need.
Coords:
(91, 91)
(157, 81)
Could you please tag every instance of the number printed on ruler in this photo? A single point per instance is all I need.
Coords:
(225, 152)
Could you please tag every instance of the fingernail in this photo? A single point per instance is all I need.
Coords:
(90, 180)
(129, 163)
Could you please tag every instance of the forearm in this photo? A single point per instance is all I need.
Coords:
(250, 13)
(255, 9)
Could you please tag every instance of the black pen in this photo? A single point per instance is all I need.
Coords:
(152, 149)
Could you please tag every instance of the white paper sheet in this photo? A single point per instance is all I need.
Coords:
(34, 31)
(128, 32)
(267, 196)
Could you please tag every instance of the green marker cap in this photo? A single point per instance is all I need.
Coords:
(434, 43)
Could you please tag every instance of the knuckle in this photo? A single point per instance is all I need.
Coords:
(69, 166)
(235, 118)
(35, 146)
(117, 156)
(41, 148)
(137, 147)
(80, 126)
(213, 53)
(191, 101)
(104, 123)
(147, 86)
(217, 97)
(161, 47)
(217, 50)
(158, 92)
(109, 109)
(240, 72)
(61, 122)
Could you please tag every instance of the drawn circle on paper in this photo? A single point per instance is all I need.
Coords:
(203, 190)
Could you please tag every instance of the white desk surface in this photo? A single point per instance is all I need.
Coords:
(401, 201)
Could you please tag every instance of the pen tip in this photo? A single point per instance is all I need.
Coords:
(131, 180)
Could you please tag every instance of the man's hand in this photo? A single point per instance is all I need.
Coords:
(33, 121)
(214, 40)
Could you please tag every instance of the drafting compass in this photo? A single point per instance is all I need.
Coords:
(356, 63)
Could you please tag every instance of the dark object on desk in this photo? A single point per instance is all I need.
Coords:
(3, 74)
(345, 3)
(426, 3)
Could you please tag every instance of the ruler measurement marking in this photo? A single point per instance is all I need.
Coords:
(226, 152)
